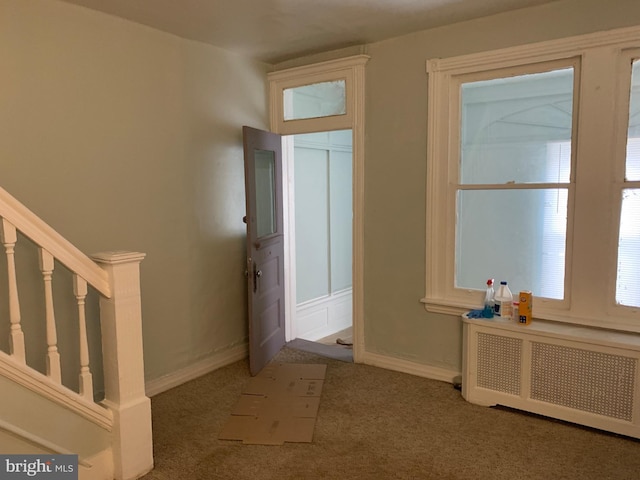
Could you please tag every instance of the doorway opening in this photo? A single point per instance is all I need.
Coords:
(326, 97)
(321, 240)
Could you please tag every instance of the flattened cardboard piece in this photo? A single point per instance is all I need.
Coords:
(274, 431)
(279, 405)
(305, 388)
(259, 386)
(248, 405)
(294, 370)
(238, 427)
(285, 386)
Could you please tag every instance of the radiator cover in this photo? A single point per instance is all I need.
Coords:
(578, 374)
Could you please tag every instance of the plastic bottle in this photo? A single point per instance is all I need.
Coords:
(504, 301)
(489, 302)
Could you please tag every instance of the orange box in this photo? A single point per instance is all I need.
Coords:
(526, 307)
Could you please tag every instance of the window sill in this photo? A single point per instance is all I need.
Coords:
(609, 323)
(446, 307)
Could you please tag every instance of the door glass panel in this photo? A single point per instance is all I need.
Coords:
(265, 175)
(318, 100)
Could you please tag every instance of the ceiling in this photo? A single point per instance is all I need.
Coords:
(277, 30)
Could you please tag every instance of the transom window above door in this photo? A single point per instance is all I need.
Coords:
(317, 98)
(324, 99)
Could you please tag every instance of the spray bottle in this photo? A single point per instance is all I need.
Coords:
(489, 300)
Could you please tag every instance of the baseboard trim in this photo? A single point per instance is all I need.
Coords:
(202, 367)
(219, 360)
(405, 366)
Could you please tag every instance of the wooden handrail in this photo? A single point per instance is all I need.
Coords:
(46, 237)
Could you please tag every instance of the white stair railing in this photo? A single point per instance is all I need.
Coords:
(115, 276)
(53, 357)
(85, 381)
(9, 238)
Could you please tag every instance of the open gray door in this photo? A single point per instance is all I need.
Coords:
(265, 245)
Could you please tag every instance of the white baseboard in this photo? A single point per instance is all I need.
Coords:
(324, 316)
(405, 366)
(167, 382)
(202, 367)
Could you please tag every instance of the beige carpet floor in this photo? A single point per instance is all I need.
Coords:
(378, 424)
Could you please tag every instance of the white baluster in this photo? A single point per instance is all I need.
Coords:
(53, 357)
(16, 339)
(86, 380)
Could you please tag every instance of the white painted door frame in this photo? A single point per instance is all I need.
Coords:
(350, 69)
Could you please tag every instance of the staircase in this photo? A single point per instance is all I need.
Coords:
(46, 408)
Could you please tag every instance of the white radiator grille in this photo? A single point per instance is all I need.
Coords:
(586, 380)
(499, 363)
(581, 375)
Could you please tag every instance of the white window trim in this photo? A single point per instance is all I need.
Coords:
(584, 301)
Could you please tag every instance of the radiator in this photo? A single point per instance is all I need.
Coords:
(582, 375)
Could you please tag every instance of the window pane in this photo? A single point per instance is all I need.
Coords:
(517, 129)
(628, 280)
(314, 101)
(633, 143)
(513, 235)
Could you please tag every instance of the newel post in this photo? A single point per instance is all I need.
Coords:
(121, 325)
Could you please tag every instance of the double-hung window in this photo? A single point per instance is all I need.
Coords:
(534, 178)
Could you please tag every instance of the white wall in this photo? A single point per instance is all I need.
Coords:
(124, 137)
